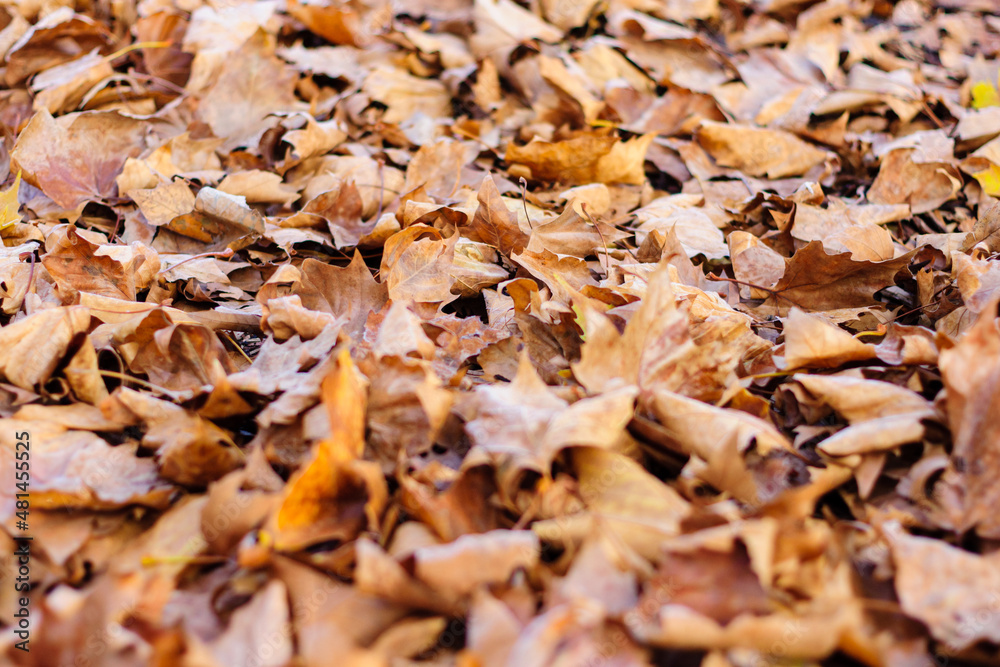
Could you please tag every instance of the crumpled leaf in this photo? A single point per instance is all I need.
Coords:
(969, 374)
(336, 494)
(419, 269)
(494, 224)
(76, 264)
(219, 220)
(35, 346)
(962, 614)
(78, 469)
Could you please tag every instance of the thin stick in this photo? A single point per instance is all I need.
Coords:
(122, 376)
(227, 253)
(138, 45)
(524, 200)
(150, 561)
(607, 257)
(237, 346)
(715, 278)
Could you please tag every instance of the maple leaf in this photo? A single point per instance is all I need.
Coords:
(420, 269)
(238, 105)
(77, 157)
(494, 224)
(815, 280)
(984, 94)
(8, 198)
(323, 500)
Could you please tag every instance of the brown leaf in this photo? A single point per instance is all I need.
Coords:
(404, 95)
(584, 159)
(635, 506)
(653, 339)
(220, 220)
(759, 152)
(238, 106)
(970, 373)
(811, 342)
(922, 185)
(77, 157)
(34, 346)
(814, 281)
(407, 408)
(191, 450)
(74, 264)
(954, 592)
(78, 469)
(59, 37)
(259, 629)
(160, 205)
(181, 357)
(169, 63)
(340, 25)
(419, 270)
(63, 87)
(335, 494)
(494, 223)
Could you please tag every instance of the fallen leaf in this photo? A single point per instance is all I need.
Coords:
(76, 158)
(969, 375)
(335, 495)
(584, 159)
(757, 151)
(494, 224)
(962, 614)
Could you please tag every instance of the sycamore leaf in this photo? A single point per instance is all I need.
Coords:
(984, 94)
(8, 199)
(989, 179)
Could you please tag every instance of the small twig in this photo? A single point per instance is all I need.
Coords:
(122, 376)
(930, 113)
(237, 346)
(160, 81)
(118, 222)
(775, 374)
(138, 45)
(227, 253)
(524, 200)
(381, 188)
(150, 561)
(31, 271)
(772, 292)
(607, 260)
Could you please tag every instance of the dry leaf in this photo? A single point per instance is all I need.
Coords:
(759, 152)
(76, 158)
(584, 159)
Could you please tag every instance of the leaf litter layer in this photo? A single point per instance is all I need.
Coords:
(484, 333)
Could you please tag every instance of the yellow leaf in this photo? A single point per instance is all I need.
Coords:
(989, 180)
(9, 204)
(984, 94)
(335, 494)
(345, 397)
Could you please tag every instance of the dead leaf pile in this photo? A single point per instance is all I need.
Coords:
(491, 333)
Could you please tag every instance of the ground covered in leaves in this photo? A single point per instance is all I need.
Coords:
(483, 333)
